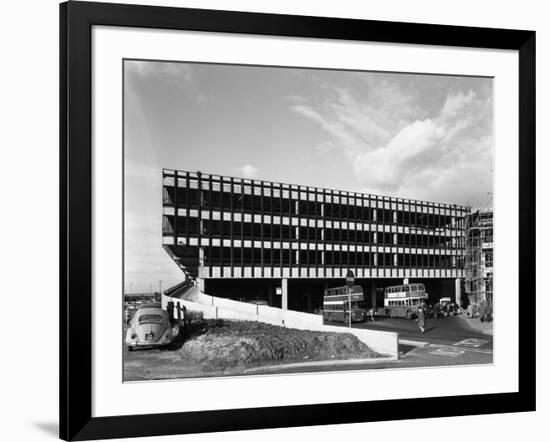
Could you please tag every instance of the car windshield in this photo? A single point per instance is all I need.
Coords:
(150, 318)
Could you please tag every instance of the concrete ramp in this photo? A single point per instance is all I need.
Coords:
(219, 308)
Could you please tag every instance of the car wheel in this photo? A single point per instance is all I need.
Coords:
(130, 348)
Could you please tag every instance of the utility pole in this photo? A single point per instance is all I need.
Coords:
(160, 288)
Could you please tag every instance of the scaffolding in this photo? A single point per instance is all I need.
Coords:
(478, 263)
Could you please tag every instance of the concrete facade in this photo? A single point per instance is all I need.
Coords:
(220, 228)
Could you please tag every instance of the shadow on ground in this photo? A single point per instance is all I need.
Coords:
(404, 349)
(49, 428)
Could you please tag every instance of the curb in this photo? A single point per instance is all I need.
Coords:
(329, 362)
(414, 343)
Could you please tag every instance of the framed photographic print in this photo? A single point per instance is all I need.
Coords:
(273, 220)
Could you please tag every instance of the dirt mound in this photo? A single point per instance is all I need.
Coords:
(223, 343)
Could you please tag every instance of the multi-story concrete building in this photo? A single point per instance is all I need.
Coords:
(254, 239)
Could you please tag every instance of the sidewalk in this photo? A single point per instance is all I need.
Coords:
(484, 327)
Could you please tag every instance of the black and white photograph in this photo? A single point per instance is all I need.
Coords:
(294, 220)
(242, 221)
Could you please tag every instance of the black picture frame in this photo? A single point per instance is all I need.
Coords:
(76, 21)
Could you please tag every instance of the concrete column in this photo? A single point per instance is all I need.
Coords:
(458, 294)
(395, 217)
(405, 280)
(201, 283)
(395, 260)
(284, 294)
(201, 256)
(372, 289)
(270, 294)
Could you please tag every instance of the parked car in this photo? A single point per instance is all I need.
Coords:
(150, 327)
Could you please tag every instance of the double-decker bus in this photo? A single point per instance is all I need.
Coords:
(402, 301)
(336, 304)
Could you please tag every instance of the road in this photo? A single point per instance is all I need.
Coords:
(446, 342)
(444, 331)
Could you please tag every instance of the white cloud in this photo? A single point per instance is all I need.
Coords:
(248, 171)
(454, 104)
(181, 76)
(295, 98)
(182, 71)
(398, 146)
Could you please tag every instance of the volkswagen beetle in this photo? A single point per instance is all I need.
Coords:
(150, 327)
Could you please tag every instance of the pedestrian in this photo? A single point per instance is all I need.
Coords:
(372, 314)
(482, 311)
(127, 316)
(421, 318)
(436, 310)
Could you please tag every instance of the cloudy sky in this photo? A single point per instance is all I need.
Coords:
(406, 135)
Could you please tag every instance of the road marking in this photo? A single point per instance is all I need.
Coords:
(463, 349)
(472, 342)
(449, 352)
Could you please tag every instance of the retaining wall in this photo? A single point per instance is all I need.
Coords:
(219, 308)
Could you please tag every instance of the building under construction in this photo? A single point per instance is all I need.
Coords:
(478, 256)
